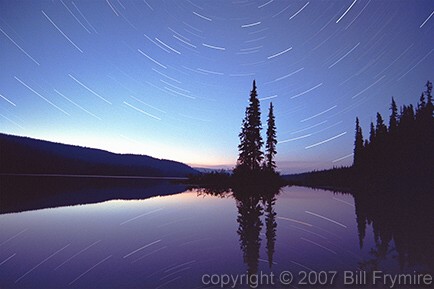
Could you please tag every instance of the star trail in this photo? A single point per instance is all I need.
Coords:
(171, 79)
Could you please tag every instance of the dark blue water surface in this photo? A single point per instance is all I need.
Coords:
(174, 241)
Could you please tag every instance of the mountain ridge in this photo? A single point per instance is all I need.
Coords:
(21, 155)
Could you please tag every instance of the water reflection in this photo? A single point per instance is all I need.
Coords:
(255, 207)
(402, 226)
(25, 193)
(250, 225)
(171, 241)
(271, 225)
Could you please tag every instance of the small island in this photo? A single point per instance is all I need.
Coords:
(255, 168)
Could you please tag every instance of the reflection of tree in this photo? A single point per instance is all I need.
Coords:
(252, 203)
(361, 221)
(250, 225)
(405, 220)
(271, 225)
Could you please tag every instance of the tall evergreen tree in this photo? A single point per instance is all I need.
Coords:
(393, 120)
(429, 102)
(270, 145)
(380, 129)
(421, 104)
(250, 154)
(406, 117)
(425, 109)
(428, 114)
(429, 126)
(372, 133)
(358, 145)
(380, 148)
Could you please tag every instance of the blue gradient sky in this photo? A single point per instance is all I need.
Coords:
(171, 79)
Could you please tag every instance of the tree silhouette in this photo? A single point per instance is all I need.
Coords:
(401, 155)
(270, 145)
(424, 112)
(254, 168)
(424, 131)
(421, 104)
(250, 154)
(372, 133)
(429, 103)
(380, 129)
(393, 120)
(358, 145)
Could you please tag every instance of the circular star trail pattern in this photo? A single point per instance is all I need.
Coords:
(171, 79)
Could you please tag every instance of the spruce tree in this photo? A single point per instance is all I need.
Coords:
(270, 145)
(421, 105)
(429, 103)
(393, 120)
(372, 134)
(358, 145)
(381, 129)
(392, 146)
(243, 147)
(406, 118)
(250, 154)
(425, 109)
(380, 149)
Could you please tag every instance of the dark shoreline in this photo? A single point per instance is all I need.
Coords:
(91, 176)
(25, 193)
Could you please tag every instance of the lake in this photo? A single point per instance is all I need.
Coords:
(201, 239)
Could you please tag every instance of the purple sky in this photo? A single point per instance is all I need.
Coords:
(171, 79)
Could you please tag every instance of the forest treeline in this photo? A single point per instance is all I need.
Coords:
(403, 150)
(398, 155)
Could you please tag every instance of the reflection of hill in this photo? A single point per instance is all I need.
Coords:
(25, 155)
(24, 193)
(408, 221)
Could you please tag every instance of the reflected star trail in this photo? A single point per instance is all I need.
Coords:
(177, 74)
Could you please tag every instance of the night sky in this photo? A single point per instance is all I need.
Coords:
(171, 79)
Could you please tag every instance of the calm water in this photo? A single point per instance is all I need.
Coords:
(173, 241)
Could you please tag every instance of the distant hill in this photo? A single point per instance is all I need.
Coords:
(23, 155)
